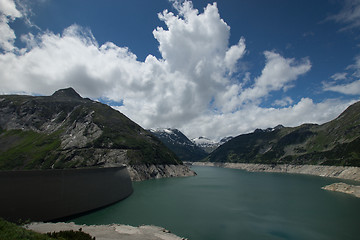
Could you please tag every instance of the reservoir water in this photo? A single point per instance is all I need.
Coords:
(234, 204)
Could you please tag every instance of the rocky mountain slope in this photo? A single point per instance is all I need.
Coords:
(67, 131)
(208, 145)
(333, 143)
(185, 149)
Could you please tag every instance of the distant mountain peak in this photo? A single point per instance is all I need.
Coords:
(202, 137)
(165, 130)
(278, 127)
(225, 139)
(205, 143)
(67, 92)
(209, 145)
(174, 139)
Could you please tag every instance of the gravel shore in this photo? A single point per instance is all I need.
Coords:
(344, 188)
(350, 173)
(340, 172)
(108, 232)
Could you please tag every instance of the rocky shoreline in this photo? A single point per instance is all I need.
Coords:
(108, 232)
(343, 188)
(349, 173)
(145, 172)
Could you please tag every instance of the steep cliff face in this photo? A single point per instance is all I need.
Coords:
(334, 143)
(67, 131)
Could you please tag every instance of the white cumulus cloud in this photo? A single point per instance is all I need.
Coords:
(234, 54)
(278, 74)
(8, 8)
(283, 102)
(190, 87)
(352, 88)
(347, 83)
(8, 12)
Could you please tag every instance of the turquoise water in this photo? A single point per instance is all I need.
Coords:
(234, 204)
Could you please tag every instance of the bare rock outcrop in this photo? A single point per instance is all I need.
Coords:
(108, 232)
(81, 133)
(351, 173)
(144, 172)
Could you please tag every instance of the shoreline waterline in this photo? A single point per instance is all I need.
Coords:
(342, 172)
(107, 232)
(339, 172)
(222, 203)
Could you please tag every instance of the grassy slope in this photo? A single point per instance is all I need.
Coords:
(10, 231)
(27, 149)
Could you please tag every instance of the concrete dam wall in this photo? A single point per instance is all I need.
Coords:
(43, 195)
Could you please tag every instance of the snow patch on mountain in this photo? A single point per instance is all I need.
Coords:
(203, 141)
(209, 145)
(174, 139)
(173, 136)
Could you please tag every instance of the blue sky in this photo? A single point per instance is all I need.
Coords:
(208, 69)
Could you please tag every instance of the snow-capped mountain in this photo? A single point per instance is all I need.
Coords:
(172, 135)
(174, 139)
(225, 139)
(208, 145)
(278, 127)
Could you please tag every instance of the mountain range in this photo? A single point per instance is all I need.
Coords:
(175, 140)
(65, 130)
(208, 145)
(186, 149)
(333, 143)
